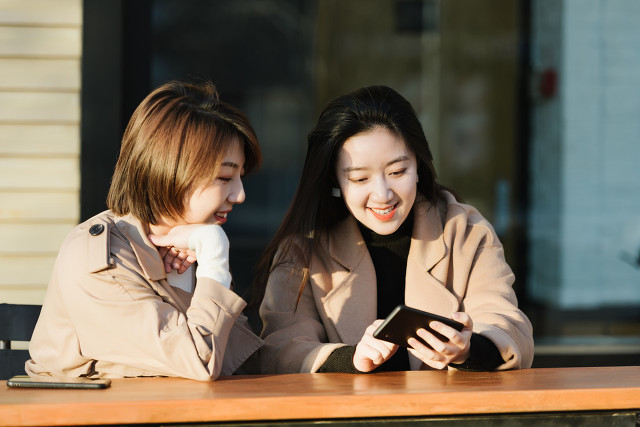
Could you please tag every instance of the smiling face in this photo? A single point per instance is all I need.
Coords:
(212, 202)
(377, 175)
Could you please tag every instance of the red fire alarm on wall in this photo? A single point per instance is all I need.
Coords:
(548, 83)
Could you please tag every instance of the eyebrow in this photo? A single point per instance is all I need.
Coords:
(399, 159)
(230, 164)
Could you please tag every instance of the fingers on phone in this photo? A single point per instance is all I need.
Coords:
(445, 330)
(368, 352)
(372, 327)
(420, 346)
(435, 364)
(463, 318)
(428, 356)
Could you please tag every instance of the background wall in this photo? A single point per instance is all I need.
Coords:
(585, 179)
(40, 48)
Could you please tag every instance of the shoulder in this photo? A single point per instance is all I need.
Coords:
(463, 220)
(97, 255)
(86, 248)
(292, 251)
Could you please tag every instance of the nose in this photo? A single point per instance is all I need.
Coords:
(237, 194)
(381, 191)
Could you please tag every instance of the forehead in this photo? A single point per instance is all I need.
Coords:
(233, 156)
(373, 148)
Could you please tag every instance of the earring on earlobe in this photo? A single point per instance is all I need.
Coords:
(335, 192)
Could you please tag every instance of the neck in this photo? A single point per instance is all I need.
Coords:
(158, 229)
(405, 230)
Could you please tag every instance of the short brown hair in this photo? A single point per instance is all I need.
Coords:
(174, 143)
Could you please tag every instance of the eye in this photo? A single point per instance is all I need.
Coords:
(224, 179)
(358, 180)
(398, 172)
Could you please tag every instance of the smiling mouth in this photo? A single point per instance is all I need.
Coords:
(383, 211)
(385, 214)
(221, 214)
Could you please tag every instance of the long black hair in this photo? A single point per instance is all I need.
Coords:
(313, 209)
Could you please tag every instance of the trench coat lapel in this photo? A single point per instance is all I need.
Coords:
(424, 290)
(352, 302)
(150, 262)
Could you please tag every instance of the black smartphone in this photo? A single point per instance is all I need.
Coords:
(25, 381)
(403, 322)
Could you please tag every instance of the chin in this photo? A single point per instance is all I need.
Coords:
(383, 229)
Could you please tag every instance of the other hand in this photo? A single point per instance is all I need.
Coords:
(456, 350)
(173, 248)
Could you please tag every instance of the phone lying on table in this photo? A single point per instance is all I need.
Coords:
(403, 322)
(25, 381)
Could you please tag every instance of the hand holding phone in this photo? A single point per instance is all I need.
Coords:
(371, 352)
(25, 381)
(403, 322)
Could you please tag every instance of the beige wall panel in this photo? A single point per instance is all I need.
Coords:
(43, 74)
(47, 107)
(27, 206)
(22, 295)
(33, 41)
(40, 81)
(51, 12)
(32, 239)
(60, 173)
(26, 272)
(43, 140)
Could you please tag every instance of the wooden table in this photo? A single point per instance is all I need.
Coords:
(528, 394)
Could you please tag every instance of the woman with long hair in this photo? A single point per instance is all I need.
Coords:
(369, 228)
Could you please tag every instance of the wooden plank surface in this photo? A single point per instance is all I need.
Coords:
(40, 140)
(32, 239)
(327, 396)
(39, 107)
(35, 206)
(40, 86)
(22, 295)
(25, 272)
(39, 74)
(49, 42)
(43, 12)
(36, 174)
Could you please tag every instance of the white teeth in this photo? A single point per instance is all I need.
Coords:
(383, 211)
(222, 215)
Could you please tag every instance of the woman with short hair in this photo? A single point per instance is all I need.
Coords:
(113, 308)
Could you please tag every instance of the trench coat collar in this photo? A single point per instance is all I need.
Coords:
(145, 251)
(352, 302)
(427, 239)
(347, 246)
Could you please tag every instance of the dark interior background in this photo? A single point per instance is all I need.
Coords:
(459, 62)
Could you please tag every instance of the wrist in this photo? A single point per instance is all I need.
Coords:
(212, 251)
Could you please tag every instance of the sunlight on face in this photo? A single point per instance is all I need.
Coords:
(377, 175)
(210, 204)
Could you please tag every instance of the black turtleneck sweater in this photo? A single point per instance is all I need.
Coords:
(389, 255)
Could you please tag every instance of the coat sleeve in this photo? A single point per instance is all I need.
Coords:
(489, 298)
(295, 339)
(113, 323)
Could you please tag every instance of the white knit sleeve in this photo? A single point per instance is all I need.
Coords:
(212, 250)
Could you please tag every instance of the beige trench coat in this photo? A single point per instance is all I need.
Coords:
(455, 263)
(109, 312)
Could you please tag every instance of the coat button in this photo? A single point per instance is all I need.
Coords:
(96, 229)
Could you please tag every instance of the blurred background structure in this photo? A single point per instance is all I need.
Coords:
(531, 107)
